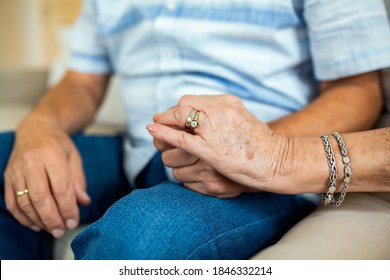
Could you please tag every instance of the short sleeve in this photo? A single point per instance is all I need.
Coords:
(347, 37)
(87, 50)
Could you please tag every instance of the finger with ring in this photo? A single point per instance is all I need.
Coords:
(21, 193)
(192, 119)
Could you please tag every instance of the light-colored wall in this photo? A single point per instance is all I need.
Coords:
(28, 30)
(10, 33)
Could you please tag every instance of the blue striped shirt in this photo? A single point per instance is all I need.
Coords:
(270, 53)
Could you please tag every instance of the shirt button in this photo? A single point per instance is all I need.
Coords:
(170, 6)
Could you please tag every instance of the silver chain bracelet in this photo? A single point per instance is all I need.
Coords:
(347, 168)
(329, 196)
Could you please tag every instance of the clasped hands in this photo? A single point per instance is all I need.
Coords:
(228, 153)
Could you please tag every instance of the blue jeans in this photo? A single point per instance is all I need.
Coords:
(157, 220)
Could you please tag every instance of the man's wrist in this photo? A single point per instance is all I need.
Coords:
(35, 120)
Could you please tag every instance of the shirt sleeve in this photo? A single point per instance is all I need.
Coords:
(88, 53)
(347, 37)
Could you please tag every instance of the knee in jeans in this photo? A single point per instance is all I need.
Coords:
(139, 226)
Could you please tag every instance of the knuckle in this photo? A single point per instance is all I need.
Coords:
(182, 140)
(233, 98)
(67, 212)
(25, 204)
(61, 188)
(30, 157)
(178, 115)
(184, 99)
(37, 197)
(50, 222)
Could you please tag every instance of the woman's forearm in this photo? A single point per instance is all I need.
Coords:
(369, 154)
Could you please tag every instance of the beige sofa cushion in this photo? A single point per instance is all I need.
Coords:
(358, 229)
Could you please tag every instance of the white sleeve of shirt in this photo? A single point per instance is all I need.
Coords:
(87, 50)
(347, 37)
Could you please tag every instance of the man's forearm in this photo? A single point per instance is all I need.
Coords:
(71, 104)
(346, 105)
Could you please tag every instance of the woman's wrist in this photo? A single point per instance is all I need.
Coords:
(278, 163)
(286, 161)
(304, 168)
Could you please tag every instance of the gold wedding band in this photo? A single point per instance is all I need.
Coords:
(192, 119)
(21, 193)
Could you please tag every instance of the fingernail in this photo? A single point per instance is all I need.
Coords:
(151, 127)
(35, 228)
(57, 233)
(71, 223)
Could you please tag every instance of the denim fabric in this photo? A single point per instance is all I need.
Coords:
(168, 221)
(157, 220)
(106, 181)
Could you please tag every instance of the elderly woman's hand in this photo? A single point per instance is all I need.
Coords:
(229, 138)
(195, 174)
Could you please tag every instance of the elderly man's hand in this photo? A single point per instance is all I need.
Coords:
(44, 179)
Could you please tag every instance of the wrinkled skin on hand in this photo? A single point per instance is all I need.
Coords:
(228, 141)
(196, 174)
